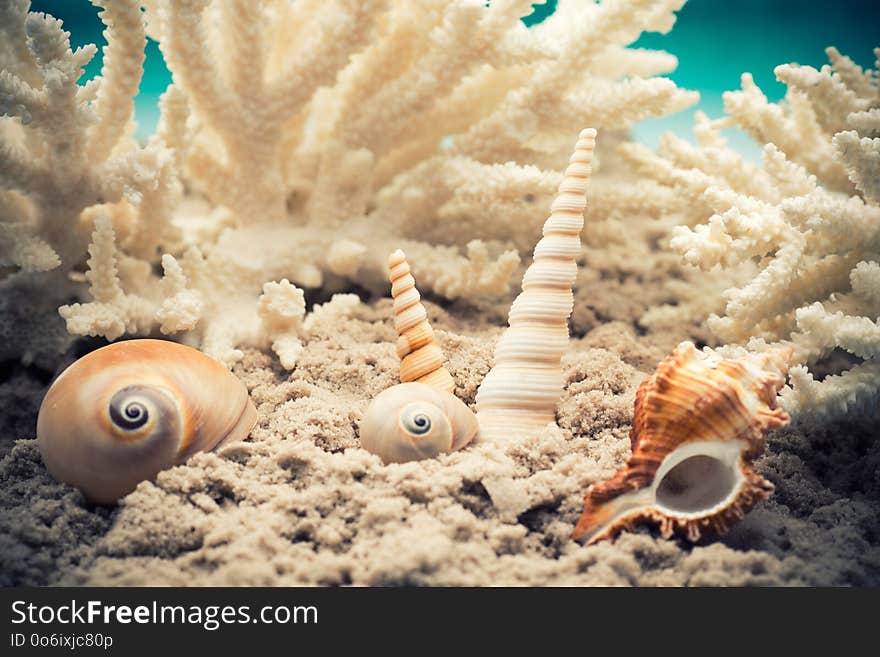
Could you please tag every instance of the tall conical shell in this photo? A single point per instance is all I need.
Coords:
(520, 393)
(421, 359)
(699, 423)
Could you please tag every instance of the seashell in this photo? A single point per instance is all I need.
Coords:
(699, 423)
(127, 411)
(520, 393)
(421, 359)
(412, 421)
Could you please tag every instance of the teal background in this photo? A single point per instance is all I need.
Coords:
(715, 41)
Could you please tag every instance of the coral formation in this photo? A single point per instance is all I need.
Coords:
(66, 156)
(309, 144)
(799, 236)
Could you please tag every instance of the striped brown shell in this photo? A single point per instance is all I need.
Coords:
(699, 423)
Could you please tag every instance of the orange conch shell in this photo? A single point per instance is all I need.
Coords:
(699, 423)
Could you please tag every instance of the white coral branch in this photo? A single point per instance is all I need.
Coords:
(182, 307)
(861, 158)
(121, 74)
(448, 273)
(809, 217)
(856, 390)
(858, 335)
(112, 313)
(29, 252)
(866, 123)
(281, 308)
(865, 281)
(831, 99)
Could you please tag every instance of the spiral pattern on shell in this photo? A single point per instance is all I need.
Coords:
(699, 423)
(520, 393)
(127, 411)
(413, 421)
(131, 410)
(421, 358)
(137, 411)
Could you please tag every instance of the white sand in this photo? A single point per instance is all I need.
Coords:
(301, 503)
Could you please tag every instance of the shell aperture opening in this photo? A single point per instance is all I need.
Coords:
(699, 479)
(698, 426)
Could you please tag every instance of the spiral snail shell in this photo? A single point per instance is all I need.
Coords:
(127, 411)
(412, 421)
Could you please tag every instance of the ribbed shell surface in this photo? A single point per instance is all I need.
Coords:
(520, 393)
(693, 399)
(421, 359)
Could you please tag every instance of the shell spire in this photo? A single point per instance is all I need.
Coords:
(699, 424)
(520, 393)
(421, 359)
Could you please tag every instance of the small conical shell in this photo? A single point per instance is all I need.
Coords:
(127, 411)
(421, 359)
(520, 393)
(699, 423)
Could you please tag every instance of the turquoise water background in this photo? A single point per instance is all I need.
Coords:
(715, 42)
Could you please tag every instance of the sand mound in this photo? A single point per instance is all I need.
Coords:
(301, 503)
